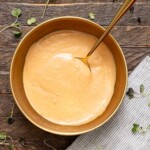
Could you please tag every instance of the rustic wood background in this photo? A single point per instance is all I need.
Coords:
(134, 38)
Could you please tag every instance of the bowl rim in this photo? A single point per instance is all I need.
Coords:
(59, 132)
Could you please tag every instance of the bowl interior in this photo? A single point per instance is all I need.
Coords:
(16, 75)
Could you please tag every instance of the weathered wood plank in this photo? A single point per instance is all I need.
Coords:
(22, 128)
(127, 36)
(66, 1)
(132, 36)
(104, 12)
(133, 55)
(6, 104)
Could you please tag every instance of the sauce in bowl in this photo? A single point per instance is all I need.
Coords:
(60, 87)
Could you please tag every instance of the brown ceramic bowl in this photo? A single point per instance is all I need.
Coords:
(16, 74)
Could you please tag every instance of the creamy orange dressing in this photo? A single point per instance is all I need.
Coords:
(60, 87)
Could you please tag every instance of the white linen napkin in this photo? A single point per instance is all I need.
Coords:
(116, 134)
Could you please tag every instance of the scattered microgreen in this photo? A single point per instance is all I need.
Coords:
(92, 16)
(31, 21)
(10, 119)
(130, 93)
(137, 129)
(46, 5)
(142, 89)
(3, 135)
(3, 140)
(15, 13)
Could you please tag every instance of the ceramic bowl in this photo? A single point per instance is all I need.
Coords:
(16, 74)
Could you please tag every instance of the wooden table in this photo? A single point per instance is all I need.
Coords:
(133, 36)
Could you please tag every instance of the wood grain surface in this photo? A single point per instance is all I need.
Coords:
(104, 12)
(134, 38)
(67, 1)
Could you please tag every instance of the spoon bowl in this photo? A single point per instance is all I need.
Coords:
(85, 61)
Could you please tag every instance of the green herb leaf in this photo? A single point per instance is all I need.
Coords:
(92, 16)
(130, 93)
(31, 21)
(135, 128)
(141, 88)
(3, 136)
(17, 33)
(16, 12)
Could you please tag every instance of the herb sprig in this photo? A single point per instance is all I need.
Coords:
(15, 13)
(10, 119)
(31, 21)
(3, 140)
(131, 93)
(138, 129)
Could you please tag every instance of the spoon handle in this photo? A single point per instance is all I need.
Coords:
(126, 5)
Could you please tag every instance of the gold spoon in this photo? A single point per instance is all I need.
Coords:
(126, 5)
